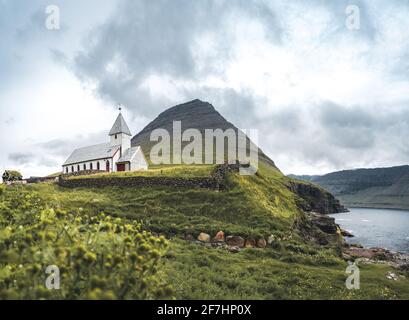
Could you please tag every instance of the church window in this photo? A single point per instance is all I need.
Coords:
(72, 169)
(78, 168)
(98, 166)
(90, 166)
(66, 169)
(85, 166)
(116, 136)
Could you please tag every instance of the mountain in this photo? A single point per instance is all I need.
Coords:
(194, 114)
(202, 115)
(374, 188)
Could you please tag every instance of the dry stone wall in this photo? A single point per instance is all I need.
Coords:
(214, 181)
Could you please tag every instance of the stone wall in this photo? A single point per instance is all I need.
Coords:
(214, 181)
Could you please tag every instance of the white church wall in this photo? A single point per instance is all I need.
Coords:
(122, 140)
(139, 162)
(115, 160)
(87, 164)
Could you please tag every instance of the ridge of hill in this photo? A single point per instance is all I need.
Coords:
(374, 188)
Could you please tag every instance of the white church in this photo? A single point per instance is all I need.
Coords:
(113, 156)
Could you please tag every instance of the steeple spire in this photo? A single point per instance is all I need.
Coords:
(120, 125)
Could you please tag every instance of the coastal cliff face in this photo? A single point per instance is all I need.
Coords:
(314, 198)
(375, 188)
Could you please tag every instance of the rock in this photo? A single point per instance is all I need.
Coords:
(271, 239)
(346, 233)
(189, 237)
(314, 198)
(233, 249)
(392, 276)
(219, 237)
(203, 237)
(261, 243)
(236, 241)
(323, 222)
(250, 243)
(369, 253)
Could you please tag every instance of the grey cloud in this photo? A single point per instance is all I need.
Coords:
(159, 37)
(20, 157)
(63, 147)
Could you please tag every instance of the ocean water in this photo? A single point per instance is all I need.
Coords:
(377, 227)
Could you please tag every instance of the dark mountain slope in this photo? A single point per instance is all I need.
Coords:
(194, 114)
(377, 188)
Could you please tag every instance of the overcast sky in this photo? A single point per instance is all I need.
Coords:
(324, 97)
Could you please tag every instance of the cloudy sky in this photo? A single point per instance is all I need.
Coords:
(325, 95)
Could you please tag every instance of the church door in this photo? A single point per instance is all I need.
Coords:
(120, 166)
(107, 167)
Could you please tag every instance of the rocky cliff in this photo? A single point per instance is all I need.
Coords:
(314, 198)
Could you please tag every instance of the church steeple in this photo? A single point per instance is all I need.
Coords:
(120, 133)
(120, 125)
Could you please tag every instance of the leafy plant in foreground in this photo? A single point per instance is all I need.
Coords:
(99, 257)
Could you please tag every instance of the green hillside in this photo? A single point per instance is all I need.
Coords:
(293, 265)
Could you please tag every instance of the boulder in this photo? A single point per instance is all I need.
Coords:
(271, 239)
(323, 222)
(346, 233)
(233, 249)
(250, 243)
(189, 237)
(235, 241)
(219, 237)
(203, 237)
(261, 243)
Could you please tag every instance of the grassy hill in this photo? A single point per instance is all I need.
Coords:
(375, 188)
(291, 267)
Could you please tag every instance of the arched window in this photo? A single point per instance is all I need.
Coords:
(78, 168)
(72, 169)
(85, 166)
(66, 169)
(107, 166)
(116, 136)
(98, 166)
(90, 166)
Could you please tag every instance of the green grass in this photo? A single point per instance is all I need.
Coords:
(181, 171)
(197, 272)
(252, 206)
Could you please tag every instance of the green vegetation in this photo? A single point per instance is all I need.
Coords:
(180, 171)
(12, 175)
(252, 206)
(292, 271)
(113, 223)
(98, 257)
